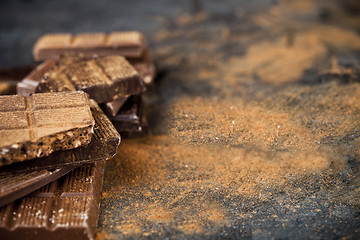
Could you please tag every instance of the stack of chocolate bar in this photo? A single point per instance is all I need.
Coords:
(114, 69)
(55, 137)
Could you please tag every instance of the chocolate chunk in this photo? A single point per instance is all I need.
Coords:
(14, 185)
(9, 77)
(64, 209)
(113, 107)
(144, 66)
(103, 146)
(129, 44)
(29, 84)
(130, 117)
(36, 126)
(103, 78)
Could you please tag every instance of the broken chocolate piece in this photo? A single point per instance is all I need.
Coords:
(9, 77)
(129, 44)
(29, 84)
(64, 209)
(144, 66)
(36, 126)
(103, 78)
(103, 146)
(113, 107)
(14, 185)
(130, 117)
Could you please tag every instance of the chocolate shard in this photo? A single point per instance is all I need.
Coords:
(9, 77)
(103, 78)
(113, 107)
(129, 44)
(14, 185)
(29, 84)
(64, 209)
(144, 65)
(130, 117)
(38, 125)
(103, 146)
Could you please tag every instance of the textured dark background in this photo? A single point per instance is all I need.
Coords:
(294, 64)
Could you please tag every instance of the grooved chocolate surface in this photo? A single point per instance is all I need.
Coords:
(37, 125)
(66, 208)
(14, 185)
(130, 44)
(103, 78)
(103, 146)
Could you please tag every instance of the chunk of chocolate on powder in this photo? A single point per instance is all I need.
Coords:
(104, 78)
(14, 185)
(144, 65)
(103, 146)
(128, 44)
(64, 209)
(38, 125)
(113, 107)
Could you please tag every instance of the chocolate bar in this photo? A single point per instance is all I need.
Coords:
(104, 79)
(35, 126)
(64, 209)
(14, 185)
(103, 146)
(128, 44)
(144, 66)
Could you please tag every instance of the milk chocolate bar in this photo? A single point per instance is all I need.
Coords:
(128, 44)
(35, 126)
(14, 185)
(104, 79)
(103, 146)
(144, 66)
(64, 209)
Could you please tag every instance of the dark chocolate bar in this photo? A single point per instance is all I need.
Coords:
(103, 146)
(144, 66)
(129, 44)
(38, 125)
(104, 78)
(14, 185)
(64, 209)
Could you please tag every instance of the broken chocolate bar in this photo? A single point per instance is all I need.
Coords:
(14, 185)
(64, 209)
(38, 125)
(104, 79)
(144, 66)
(103, 146)
(128, 44)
